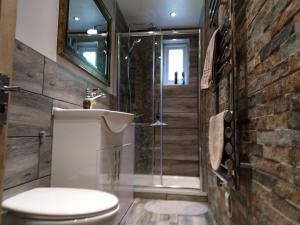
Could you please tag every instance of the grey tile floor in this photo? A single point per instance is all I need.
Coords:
(138, 215)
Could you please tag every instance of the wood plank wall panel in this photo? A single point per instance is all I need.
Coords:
(180, 104)
(182, 136)
(62, 84)
(44, 84)
(179, 120)
(181, 168)
(180, 112)
(45, 156)
(29, 114)
(28, 68)
(22, 159)
(180, 152)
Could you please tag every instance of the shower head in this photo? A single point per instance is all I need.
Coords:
(134, 43)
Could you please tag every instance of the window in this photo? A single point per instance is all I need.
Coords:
(176, 60)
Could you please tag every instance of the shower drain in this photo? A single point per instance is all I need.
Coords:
(183, 208)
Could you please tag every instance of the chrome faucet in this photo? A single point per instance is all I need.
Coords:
(91, 96)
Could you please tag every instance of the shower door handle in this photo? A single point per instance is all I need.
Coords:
(158, 124)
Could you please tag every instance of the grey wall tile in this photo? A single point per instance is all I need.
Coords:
(45, 156)
(29, 114)
(65, 105)
(21, 163)
(43, 182)
(28, 68)
(188, 105)
(61, 84)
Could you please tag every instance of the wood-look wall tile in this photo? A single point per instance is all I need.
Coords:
(181, 152)
(42, 182)
(181, 168)
(21, 163)
(194, 76)
(179, 91)
(180, 136)
(181, 120)
(28, 68)
(61, 84)
(188, 105)
(29, 114)
(45, 151)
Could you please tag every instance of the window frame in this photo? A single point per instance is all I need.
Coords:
(172, 44)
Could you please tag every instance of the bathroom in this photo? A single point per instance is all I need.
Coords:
(111, 109)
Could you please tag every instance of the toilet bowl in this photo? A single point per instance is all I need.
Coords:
(60, 206)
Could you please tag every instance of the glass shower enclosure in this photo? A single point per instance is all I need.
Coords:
(145, 91)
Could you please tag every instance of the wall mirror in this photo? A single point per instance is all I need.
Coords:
(84, 35)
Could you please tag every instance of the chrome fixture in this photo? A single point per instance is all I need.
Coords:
(90, 98)
(93, 94)
(4, 92)
(158, 123)
(134, 43)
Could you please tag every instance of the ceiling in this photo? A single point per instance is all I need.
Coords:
(140, 13)
(89, 14)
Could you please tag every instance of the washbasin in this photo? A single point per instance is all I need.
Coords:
(115, 121)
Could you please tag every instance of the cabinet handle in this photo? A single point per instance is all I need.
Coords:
(119, 165)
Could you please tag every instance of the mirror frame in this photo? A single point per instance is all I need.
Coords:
(62, 35)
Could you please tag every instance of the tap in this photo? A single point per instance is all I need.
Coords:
(90, 97)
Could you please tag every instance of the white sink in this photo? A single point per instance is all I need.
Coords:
(115, 121)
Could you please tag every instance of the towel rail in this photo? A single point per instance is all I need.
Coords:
(225, 82)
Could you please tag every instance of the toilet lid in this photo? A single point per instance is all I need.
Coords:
(61, 203)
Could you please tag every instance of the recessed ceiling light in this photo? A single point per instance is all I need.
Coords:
(156, 43)
(77, 18)
(173, 14)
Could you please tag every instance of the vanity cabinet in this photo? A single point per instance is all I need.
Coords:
(94, 149)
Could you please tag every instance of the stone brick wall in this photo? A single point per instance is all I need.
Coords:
(268, 73)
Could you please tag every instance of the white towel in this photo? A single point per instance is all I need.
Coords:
(208, 69)
(216, 139)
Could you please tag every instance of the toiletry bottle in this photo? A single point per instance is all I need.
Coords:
(183, 79)
(176, 78)
(88, 101)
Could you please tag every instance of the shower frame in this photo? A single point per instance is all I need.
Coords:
(163, 33)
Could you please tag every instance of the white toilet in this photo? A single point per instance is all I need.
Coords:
(74, 196)
(61, 206)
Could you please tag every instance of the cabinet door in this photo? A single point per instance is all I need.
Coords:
(106, 169)
(126, 165)
(123, 187)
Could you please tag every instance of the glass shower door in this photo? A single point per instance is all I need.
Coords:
(140, 94)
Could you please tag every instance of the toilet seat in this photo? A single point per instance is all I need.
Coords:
(62, 204)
